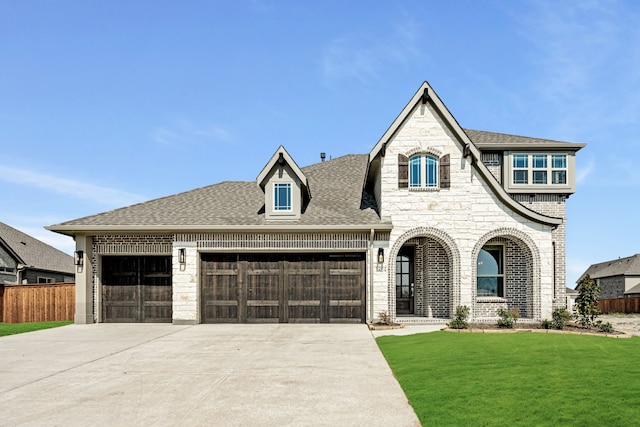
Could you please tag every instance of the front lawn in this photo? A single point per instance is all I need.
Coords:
(19, 328)
(517, 379)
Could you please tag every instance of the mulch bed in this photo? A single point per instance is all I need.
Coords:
(537, 327)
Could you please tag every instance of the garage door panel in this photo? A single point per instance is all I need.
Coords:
(285, 288)
(136, 289)
(220, 290)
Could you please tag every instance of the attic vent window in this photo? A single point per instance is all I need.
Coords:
(282, 197)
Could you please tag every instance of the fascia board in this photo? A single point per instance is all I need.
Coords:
(72, 230)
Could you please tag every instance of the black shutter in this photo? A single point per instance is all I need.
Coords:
(403, 171)
(445, 172)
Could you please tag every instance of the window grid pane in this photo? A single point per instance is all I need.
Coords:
(539, 161)
(520, 160)
(415, 180)
(539, 177)
(432, 179)
(559, 161)
(282, 197)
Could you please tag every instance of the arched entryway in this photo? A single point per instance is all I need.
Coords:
(506, 274)
(423, 270)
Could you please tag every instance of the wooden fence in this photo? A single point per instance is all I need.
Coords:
(619, 305)
(37, 302)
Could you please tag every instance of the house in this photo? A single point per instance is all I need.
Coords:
(433, 217)
(618, 278)
(24, 259)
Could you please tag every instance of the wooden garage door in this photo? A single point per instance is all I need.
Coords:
(136, 289)
(283, 288)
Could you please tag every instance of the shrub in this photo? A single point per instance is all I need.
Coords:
(508, 317)
(546, 324)
(560, 317)
(460, 319)
(384, 318)
(587, 301)
(604, 326)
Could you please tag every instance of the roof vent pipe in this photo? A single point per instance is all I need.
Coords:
(323, 156)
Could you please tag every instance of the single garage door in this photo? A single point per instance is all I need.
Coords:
(283, 288)
(136, 289)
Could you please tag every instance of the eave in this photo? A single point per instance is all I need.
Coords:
(280, 227)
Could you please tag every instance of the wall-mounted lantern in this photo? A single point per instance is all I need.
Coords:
(78, 258)
(380, 256)
(182, 257)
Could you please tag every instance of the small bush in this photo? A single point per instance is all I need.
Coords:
(460, 320)
(384, 318)
(508, 317)
(560, 317)
(604, 326)
(546, 324)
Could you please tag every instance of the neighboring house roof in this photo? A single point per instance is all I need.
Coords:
(338, 201)
(570, 291)
(425, 95)
(633, 290)
(500, 141)
(33, 253)
(629, 266)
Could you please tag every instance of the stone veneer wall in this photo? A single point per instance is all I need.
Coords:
(552, 205)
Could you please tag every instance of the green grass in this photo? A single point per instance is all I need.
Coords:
(20, 328)
(520, 379)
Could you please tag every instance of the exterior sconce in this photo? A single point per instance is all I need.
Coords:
(182, 257)
(380, 256)
(78, 258)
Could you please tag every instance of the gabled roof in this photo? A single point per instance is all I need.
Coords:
(629, 266)
(502, 141)
(338, 203)
(282, 157)
(33, 253)
(426, 94)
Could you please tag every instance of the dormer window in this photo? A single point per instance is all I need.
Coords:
(282, 197)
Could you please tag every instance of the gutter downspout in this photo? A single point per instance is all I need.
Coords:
(370, 316)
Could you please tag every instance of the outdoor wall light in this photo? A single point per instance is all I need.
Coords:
(380, 256)
(78, 258)
(182, 257)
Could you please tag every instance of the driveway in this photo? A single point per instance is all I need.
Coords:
(157, 374)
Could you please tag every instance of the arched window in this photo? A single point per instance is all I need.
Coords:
(423, 171)
(491, 271)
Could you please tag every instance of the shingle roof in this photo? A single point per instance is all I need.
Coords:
(487, 140)
(629, 266)
(34, 253)
(337, 199)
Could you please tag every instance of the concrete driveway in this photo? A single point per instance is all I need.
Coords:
(155, 374)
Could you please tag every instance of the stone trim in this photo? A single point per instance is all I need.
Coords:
(280, 241)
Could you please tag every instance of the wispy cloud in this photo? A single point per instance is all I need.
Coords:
(364, 57)
(184, 132)
(586, 58)
(69, 187)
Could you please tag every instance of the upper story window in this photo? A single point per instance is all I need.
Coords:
(539, 169)
(423, 171)
(282, 197)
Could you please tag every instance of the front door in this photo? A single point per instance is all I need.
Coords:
(404, 281)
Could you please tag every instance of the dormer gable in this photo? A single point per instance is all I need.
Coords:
(285, 187)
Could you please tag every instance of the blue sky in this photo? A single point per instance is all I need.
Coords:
(108, 103)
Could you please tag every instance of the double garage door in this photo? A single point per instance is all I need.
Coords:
(243, 288)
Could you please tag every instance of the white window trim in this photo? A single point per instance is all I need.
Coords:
(275, 197)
